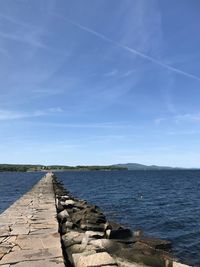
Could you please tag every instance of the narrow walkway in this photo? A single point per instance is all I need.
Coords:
(29, 229)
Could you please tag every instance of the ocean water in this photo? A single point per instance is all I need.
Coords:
(164, 204)
(14, 184)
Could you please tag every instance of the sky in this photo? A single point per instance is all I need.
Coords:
(100, 82)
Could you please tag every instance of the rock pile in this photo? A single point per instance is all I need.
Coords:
(90, 240)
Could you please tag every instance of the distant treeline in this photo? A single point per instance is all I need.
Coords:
(25, 168)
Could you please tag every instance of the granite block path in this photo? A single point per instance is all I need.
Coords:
(29, 229)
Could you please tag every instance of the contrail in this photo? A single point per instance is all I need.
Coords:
(134, 51)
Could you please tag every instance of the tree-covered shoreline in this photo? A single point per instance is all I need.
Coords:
(29, 168)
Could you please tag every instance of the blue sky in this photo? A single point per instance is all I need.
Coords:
(100, 82)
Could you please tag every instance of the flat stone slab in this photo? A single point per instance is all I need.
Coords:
(41, 242)
(58, 262)
(30, 255)
(29, 229)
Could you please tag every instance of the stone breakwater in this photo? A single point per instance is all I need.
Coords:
(90, 240)
(49, 227)
(29, 229)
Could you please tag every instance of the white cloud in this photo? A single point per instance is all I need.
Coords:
(16, 115)
(106, 125)
(188, 117)
(180, 118)
(111, 73)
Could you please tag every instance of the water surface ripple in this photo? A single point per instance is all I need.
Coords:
(14, 184)
(164, 204)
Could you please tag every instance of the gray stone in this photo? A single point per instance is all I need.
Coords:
(58, 262)
(92, 227)
(29, 255)
(157, 243)
(72, 238)
(63, 215)
(96, 260)
(178, 264)
(76, 256)
(69, 202)
(109, 245)
(94, 234)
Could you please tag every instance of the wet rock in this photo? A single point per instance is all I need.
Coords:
(92, 227)
(89, 215)
(81, 204)
(157, 243)
(142, 253)
(59, 207)
(120, 234)
(113, 225)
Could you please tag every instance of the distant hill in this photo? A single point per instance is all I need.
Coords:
(137, 166)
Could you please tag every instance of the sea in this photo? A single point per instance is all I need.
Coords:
(162, 203)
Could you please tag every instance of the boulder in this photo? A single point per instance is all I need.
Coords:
(94, 234)
(59, 207)
(82, 204)
(113, 225)
(178, 264)
(76, 256)
(119, 234)
(142, 253)
(96, 260)
(64, 198)
(63, 216)
(88, 215)
(66, 227)
(157, 243)
(92, 227)
(78, 248)
(72, 238)
(108, 245)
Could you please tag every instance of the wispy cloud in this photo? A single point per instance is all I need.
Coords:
(131, 50)
(47, 91)
(16, 115)
(192, 132)
(24, 38)
(179, 118)
(188, 117)
(111, 73)
(100, 125)
(17, 22)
